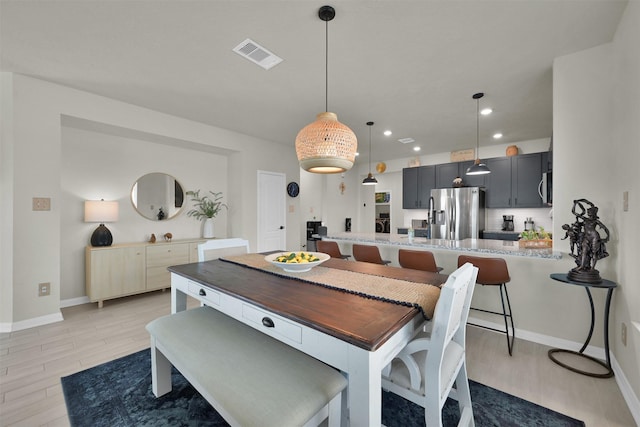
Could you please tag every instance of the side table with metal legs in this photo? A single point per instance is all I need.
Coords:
(605, 284)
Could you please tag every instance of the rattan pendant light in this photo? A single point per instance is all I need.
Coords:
(326, 145)
(478, 168)
(370, 179)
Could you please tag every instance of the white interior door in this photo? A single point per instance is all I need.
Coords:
(272, 234)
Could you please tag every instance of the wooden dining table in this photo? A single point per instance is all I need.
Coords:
(353, 333)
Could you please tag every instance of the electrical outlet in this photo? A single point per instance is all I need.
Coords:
(624, 334)
(44, 289)
(41, 204)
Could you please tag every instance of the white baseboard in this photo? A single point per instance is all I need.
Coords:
(74, 301)
(633, 402)
(42, 320)
(31, 323)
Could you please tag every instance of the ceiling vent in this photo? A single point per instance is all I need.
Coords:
(406, 140)
(257, 54)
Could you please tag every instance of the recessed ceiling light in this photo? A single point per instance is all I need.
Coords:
(387, 133)
(416, 148)
(486, 111)
(497, 135)
(357, 154)
(406, 140)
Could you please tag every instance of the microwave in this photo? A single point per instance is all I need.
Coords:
(545, 188)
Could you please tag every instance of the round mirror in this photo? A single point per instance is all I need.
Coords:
(157, 196)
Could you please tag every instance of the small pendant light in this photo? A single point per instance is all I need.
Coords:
(478, 168)
(370, 179)
(326, 145)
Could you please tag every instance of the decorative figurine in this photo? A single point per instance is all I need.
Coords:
(586, 241)
(152, 239)
(168, 237)
(457, 182)
(161, 214)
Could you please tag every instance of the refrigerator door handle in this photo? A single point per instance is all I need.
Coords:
(453, 219)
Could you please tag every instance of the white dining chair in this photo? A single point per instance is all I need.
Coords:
(216, 248)
(425, 371)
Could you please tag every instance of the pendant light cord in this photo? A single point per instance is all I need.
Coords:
(370, 148)
(477, 128)
(326, 67)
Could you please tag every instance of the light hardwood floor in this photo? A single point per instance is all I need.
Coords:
(32, 362)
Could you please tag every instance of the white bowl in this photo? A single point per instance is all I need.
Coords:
(296, 268)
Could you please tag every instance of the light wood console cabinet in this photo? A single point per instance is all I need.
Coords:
(128, 269)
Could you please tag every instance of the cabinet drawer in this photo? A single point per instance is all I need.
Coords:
(204, 294)
(167, 255)
(281, 327)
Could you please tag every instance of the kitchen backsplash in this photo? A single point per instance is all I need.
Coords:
(542, 217)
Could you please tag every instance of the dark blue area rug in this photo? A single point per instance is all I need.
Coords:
(118, 394)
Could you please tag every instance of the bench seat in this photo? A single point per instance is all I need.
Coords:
(250, 378)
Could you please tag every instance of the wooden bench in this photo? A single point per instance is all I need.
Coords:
(250, 378)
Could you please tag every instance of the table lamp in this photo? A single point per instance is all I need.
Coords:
(101, 211)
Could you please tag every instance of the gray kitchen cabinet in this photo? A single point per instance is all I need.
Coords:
(526, 174)
(513, 181)
(416, 186)
(447, 172)
(498, 183)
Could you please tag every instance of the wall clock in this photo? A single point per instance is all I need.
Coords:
(293, 189)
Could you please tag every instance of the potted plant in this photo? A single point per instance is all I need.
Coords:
(206, 208)
(535, 238)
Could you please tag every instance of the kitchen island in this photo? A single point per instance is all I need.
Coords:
(537, 302)
(480, 246)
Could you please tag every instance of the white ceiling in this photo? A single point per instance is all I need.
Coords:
(409, 66)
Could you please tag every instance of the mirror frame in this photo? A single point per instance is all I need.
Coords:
(171, 208)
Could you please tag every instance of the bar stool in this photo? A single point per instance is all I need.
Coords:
(418, 260)
(368, 253)
(330, 248)
(494, 272)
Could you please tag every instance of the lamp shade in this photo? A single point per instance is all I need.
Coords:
(326, 145)
(100, 211)
(478, 168)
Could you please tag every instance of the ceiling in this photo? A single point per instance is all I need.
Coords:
(409, 66)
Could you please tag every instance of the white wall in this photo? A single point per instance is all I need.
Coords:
(596, 150)
(32, 164)
(97, 165)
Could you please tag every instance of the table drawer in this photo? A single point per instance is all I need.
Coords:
(276, 324)
(204, 294)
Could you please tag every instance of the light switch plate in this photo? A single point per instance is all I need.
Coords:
(41, 204)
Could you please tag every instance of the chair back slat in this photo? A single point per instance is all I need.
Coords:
(216, 248)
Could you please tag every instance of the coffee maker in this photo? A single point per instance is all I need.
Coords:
(507, 222)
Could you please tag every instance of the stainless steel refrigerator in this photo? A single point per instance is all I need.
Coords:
(457, 213)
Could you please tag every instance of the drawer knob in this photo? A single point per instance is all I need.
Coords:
(202, 293)
(267, 322)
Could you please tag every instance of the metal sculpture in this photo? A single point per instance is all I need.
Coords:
(586, 244)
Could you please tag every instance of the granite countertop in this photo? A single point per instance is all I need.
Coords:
(496, 247)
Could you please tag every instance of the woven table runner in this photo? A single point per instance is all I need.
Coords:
(419, 295)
